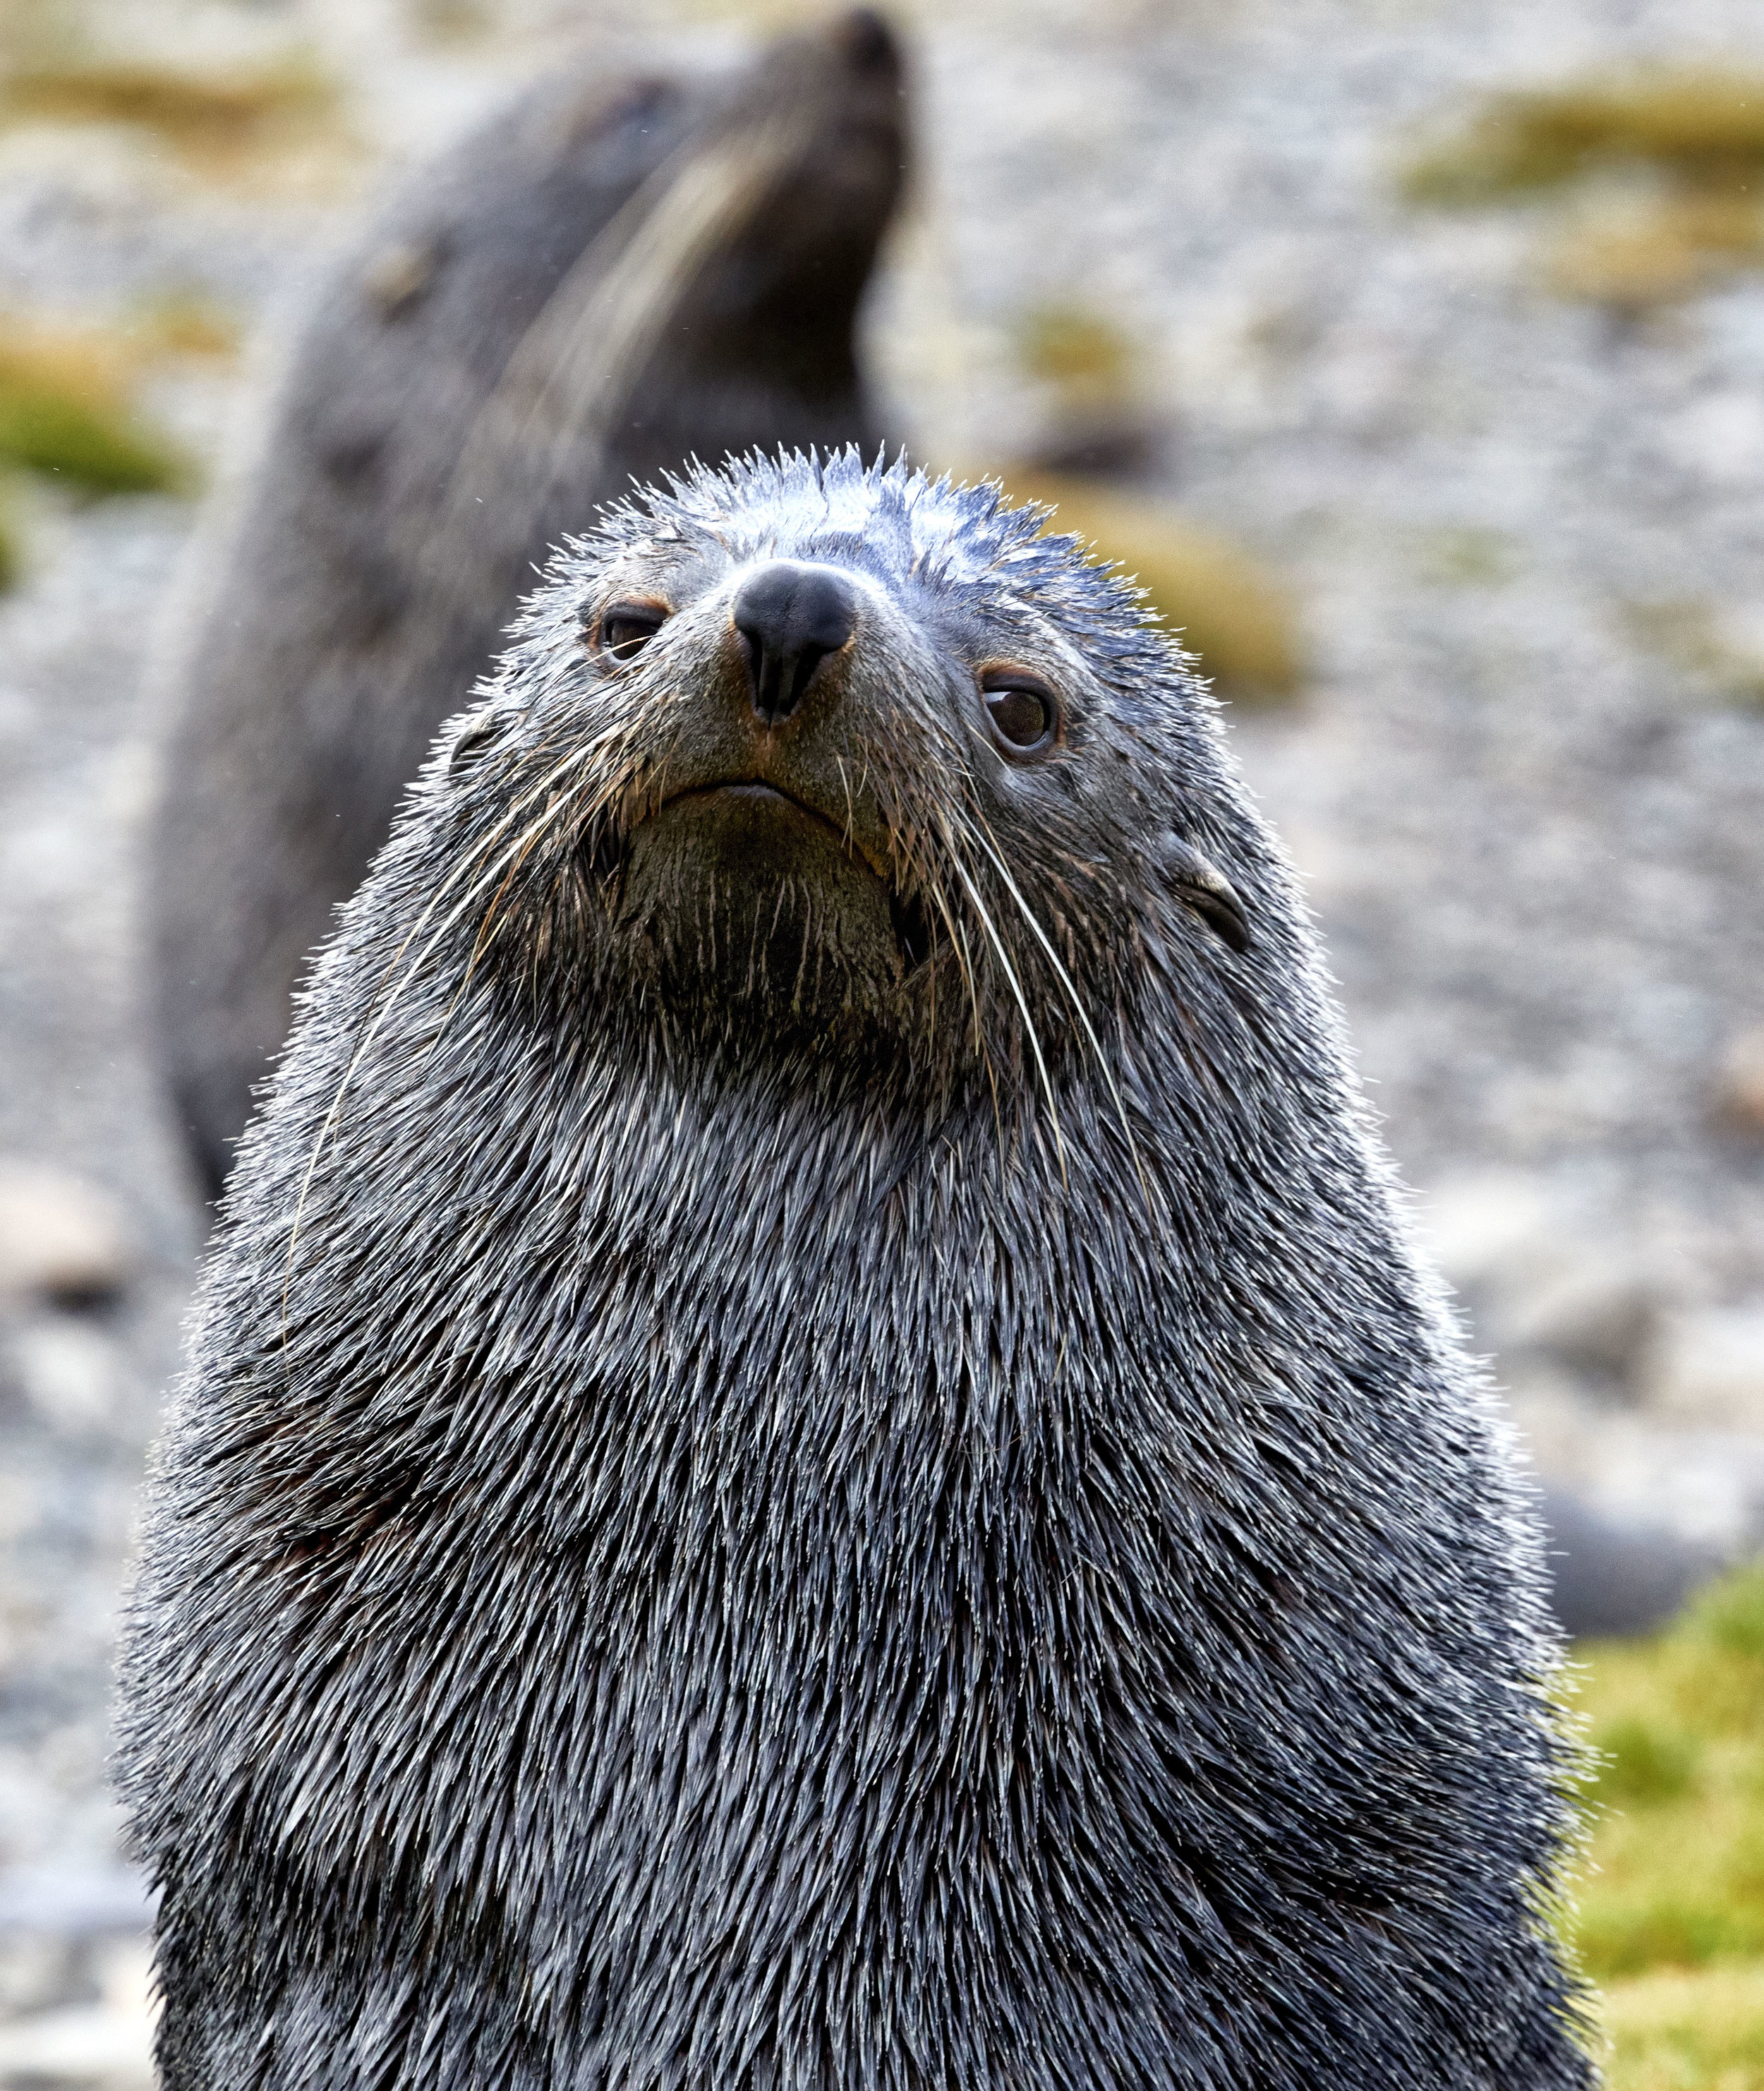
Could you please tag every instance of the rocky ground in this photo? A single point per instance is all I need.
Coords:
(1525, 780)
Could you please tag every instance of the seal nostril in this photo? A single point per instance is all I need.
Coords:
(790, 617)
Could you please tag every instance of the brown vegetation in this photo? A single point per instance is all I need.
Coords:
(1681, 152)
(1705, 127)
(1229, 610)
(1655, 252)
(214, 121)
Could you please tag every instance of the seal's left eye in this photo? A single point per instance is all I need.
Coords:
(625, 628)
(1022, 710)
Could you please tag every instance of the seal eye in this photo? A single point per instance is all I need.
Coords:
(1022, 710)
(625, 628)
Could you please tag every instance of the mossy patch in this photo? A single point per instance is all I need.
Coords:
(1465, 555)
(1675, 1870)
(214, 121)
(1667, 168)
(1075, 350)
(1703, 126)
(11, 550)
(1653, 250)
(453, 21)
(64, 413)
(1687, 634)
(1086, 370)
(1669, 1911)
(184, 323)
(1231, 611)
(1676, 2030)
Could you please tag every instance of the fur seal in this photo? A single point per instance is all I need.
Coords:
(620, 274)
(814, 1454)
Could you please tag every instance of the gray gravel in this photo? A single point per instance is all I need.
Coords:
(1535, 838)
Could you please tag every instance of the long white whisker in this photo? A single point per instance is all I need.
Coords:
(474, 869)
(1022, 1003)
(989, 845)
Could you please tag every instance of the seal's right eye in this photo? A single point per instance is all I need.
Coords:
(625, 628)
(1021, 709)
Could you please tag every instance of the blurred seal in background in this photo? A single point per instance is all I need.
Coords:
(619, 274)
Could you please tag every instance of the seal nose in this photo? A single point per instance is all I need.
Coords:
(791, 617)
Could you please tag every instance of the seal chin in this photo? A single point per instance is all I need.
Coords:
(746, 894)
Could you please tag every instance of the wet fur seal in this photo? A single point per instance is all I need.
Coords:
(814, 1454)
(622, 272)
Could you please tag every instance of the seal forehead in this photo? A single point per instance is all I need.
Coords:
(964, 545)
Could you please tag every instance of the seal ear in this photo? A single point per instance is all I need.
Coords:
(1206, 890)
(473, 738)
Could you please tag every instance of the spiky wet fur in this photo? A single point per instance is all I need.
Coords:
(702, 1548)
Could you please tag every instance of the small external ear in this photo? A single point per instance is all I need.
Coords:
(470, 741)
(398, 278)
(1206, 890)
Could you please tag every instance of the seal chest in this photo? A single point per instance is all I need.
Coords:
(813, 1455)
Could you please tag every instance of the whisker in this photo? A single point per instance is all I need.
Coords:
(988, 842)
(980, 1035)
(468, 867)
(1022, 1003)
(851, 817)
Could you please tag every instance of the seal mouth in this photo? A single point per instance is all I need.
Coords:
(755, 792)
(914, 925)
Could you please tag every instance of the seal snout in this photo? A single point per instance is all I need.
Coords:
(790, 617)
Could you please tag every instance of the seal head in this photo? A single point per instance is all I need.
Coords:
(847, 744)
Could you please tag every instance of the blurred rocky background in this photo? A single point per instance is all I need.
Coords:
(1412, 353)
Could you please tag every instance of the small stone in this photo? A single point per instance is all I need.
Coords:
(1740, 1085)
(1594, 1314)
(70, 1376)
(62, 1239)
(107, 2046)
(1707, 1369)
(1612, 1575)
(1541, 1279)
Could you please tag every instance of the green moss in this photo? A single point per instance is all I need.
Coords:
(1676, 1872)
(64, 413)
(1728, 1618)
(1680, 154)
(1643, 1760)
(1703, 126)
(453, 21)
(61, 437)
(184, 323)
(1687, 634)
(1466, 556)
(1656, 251)
(1670, 1911)
(10, 550)
(1680, 2031)
(1073, 349)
